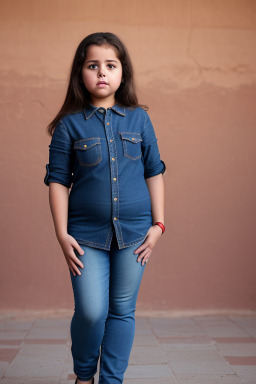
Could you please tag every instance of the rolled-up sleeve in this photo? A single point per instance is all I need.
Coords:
(61, 157)
(153, 165)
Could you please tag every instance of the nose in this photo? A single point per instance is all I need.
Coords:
(101, 72)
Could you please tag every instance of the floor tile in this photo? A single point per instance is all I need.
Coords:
(251, 331)
(52, 323)
(187, 347)
(145, 340)
(33, 361)
(237, 340)
(241, 360)
(11, 342)
(16, 325)
(198, 362)
(247, 373)
(31, 380)
(237, 349)
(209, 379)
(45, 341)
(10, 335)
(48, 333)
(147, 371)
(185, 340)
(169, 380)
(8, 354)
(190, 350)
(147, 355)
(3, 368)
(244, 321)
(221, 327)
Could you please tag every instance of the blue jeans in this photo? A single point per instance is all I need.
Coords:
(105, 297)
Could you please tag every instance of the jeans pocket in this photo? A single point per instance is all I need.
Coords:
(131, 142)
(88, 151)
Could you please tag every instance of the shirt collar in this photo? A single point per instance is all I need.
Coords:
(88, 112)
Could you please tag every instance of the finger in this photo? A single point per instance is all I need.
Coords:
(145, 260)
(76, 259)
(75, 268)
(78, 247)
(142, 247)
(71, 270)
(146, 254)
(143, 254)
(78, 262)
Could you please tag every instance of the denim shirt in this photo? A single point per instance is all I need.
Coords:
(106, 155)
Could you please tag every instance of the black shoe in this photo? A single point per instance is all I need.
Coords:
(92, 381)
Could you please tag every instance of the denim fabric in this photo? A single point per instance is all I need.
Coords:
(106, 155)
(105, 296)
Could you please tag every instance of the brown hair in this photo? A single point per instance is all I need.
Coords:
(77, 97)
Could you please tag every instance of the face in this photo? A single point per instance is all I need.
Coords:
(102, 74)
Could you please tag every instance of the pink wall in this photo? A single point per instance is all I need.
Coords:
(195, 61)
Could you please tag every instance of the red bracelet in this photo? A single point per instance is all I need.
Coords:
(161, 225)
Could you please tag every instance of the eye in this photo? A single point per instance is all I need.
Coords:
(92, 65)
(111, 65)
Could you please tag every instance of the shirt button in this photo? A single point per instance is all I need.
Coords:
(114, 179)
(111, 140)
(133, 138)
(115, 198)
(113, 158)
(85, 145)
(101, 110)
(115, 218)
(107, 123)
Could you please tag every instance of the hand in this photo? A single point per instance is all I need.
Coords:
(68, 243)
(145, 249)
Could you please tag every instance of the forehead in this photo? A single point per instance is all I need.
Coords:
(105, 51)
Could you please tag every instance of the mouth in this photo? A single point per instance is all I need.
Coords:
(102, 82)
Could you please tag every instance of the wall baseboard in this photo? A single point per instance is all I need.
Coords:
(55, 313)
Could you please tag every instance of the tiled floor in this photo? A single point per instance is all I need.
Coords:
(185, 350)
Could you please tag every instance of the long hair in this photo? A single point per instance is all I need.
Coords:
(77, 97)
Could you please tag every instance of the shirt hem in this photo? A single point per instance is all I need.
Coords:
(107, 248)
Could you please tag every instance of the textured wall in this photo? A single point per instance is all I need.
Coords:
(195, 64)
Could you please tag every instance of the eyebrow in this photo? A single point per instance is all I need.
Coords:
(96, 61)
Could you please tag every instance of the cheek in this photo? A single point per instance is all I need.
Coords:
(118, 78)
(87, 78)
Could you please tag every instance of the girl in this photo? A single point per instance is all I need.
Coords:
(104, 145)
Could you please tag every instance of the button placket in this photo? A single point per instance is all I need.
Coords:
(114, 175)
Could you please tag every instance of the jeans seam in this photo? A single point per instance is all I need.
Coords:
(102, 354)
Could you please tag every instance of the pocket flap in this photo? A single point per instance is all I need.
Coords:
(131, 136)
(86, 143)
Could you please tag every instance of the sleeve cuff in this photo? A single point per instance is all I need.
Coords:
(47, 175)
(161, 168)
(56, 179)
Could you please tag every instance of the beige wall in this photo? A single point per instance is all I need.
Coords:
(195, 64)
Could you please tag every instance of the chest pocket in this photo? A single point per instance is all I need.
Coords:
(88, 151)
(131, 144)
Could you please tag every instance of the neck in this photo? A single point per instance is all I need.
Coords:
(104, 103)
